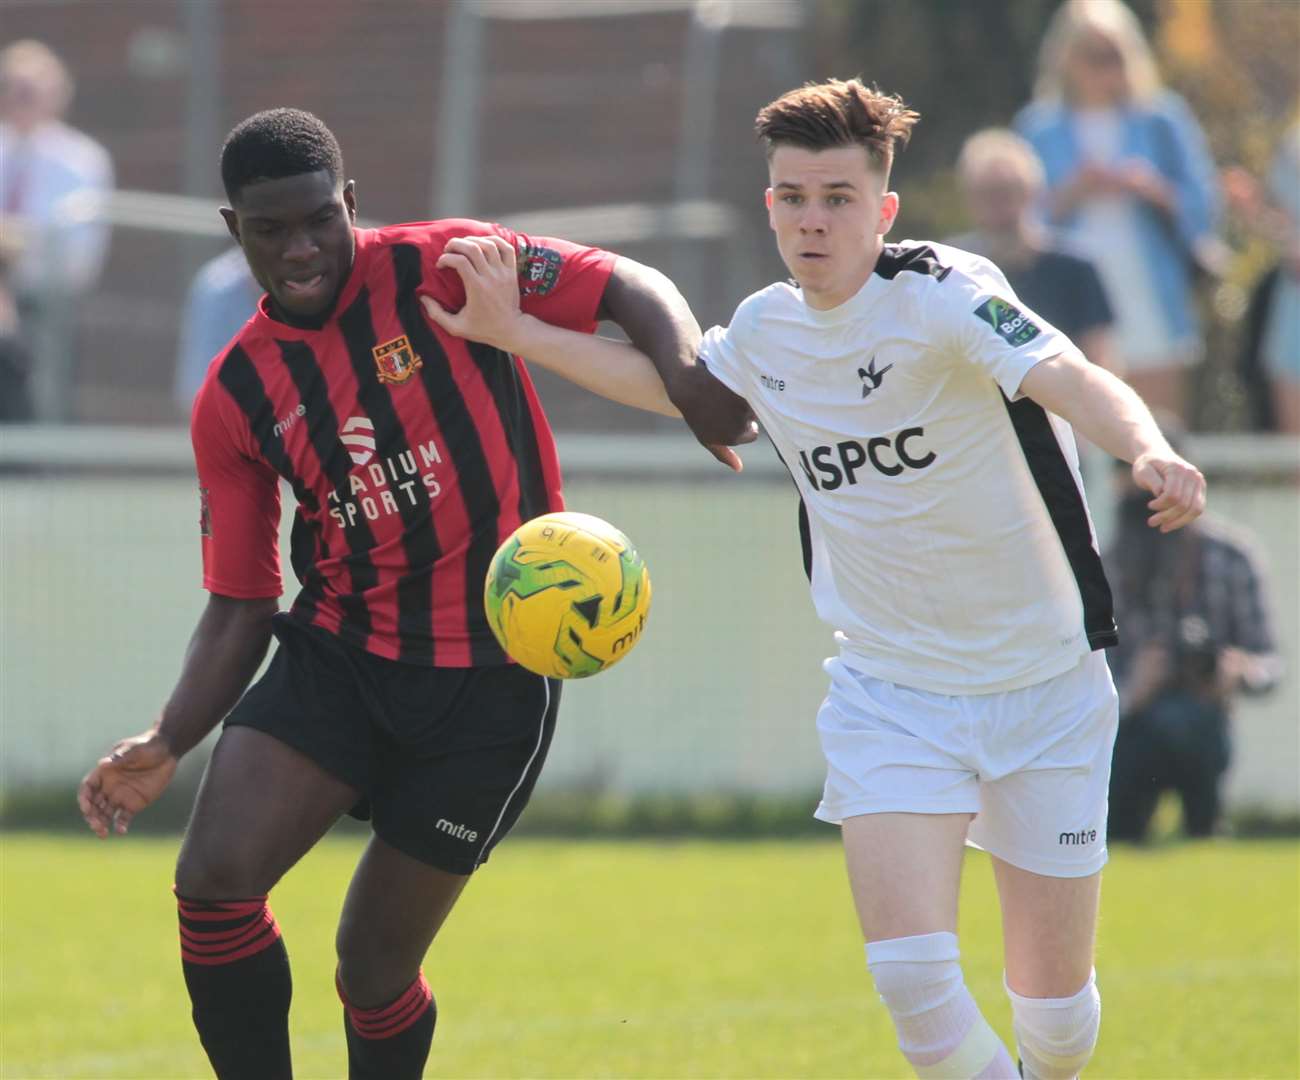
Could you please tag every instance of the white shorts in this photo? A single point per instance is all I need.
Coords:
(1032, 765)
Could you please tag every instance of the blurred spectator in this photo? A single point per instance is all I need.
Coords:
(1002, 180)
(1194, 631)
(1130, 180)
(1271, 354)
(15, 399)
(222, 297)
(52, 181)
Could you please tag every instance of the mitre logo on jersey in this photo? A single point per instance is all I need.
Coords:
(871, 378)
(289, 419)
(396, 360)
(539, 269)
(1009, 323)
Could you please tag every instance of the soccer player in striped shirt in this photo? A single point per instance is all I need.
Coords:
(411, 452)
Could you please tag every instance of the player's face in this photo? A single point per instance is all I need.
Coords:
(296, 233)
(829, 210)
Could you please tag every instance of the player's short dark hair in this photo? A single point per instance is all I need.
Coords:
(276, 143)
(823, 116)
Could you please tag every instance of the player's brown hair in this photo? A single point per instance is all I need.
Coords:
(822, 116)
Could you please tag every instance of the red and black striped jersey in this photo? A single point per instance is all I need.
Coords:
(411, 453)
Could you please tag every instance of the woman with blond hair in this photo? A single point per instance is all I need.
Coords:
(1130, 181)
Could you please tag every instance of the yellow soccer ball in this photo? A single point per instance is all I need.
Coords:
(567, 595)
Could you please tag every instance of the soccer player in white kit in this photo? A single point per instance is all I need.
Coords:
(925, 416)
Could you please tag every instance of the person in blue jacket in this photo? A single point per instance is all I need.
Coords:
(221, 298)
(1130, 182)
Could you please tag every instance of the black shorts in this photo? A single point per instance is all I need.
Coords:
(445, 758)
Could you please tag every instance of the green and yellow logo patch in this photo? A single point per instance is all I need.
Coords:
(1009, 323)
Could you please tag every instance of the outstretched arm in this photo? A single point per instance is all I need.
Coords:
(1106, 411)
(223, 656)
(492, 315)
(659, 322)
(658, 372)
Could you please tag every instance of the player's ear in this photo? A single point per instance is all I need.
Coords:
(767, 201)
(888, 212)
(350, 199)
(232, 224)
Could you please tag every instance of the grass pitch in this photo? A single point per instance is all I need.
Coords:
(693, 959)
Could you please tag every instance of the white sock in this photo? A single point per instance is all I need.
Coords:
(1056, 1036)
(940, 1028)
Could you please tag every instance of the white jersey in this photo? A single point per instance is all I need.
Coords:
(945, 531)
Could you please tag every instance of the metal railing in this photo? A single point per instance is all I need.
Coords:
(86, 448)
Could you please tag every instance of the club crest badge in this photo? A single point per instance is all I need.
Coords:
(396, 361)
(871, 378)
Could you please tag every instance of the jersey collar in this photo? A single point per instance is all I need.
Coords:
(850, 308)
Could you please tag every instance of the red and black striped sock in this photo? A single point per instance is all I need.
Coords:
(390, 1042)
(237, 972)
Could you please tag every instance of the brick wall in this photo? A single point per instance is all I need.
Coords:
(573, 112)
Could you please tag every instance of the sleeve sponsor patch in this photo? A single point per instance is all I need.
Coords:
(539, 269)
(1009, 323)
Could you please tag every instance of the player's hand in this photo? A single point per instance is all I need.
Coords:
(133, 775)
(1177, 486)
(719, 418)
(491, 313)
(726, 455)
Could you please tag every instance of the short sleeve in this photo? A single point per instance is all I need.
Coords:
(560, 282)
(239, 501)
(976, 312)
(720, 353)
(726, 350)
